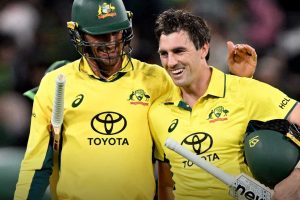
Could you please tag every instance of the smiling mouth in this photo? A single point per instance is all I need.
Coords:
(176, 72)
(107, 54)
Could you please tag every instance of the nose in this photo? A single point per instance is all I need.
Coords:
(172, 61)
(111, 41)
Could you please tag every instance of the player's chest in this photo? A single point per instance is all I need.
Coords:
(94, 93)
(216, 124)
(109, 110)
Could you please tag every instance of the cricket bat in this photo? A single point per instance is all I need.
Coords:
(58, 110)
(241, 187)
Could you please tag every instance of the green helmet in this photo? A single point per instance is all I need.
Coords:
(96, 17)
(99, 17)
(270, 154)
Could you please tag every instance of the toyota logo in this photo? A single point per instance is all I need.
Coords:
(201, 142)
(108, 123)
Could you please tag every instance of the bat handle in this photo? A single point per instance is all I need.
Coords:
(56, 138)
(58, 110)
(207, 166)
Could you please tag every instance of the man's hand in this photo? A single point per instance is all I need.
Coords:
(242, 59)
(288, 188)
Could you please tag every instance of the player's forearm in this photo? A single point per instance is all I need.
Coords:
(165, 182)
(289, 188)
(296, 181)
(165, 193)
(297, 172)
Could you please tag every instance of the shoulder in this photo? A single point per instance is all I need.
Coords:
(155, 76)
(67, 69)
(165, 102)
(48, 81)
(245, 84)
(148, 69)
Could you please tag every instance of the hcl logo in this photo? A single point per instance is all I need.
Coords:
(283, 103)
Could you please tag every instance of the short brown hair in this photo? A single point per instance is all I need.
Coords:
(171, 21)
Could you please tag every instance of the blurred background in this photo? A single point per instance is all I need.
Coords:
(33, 35)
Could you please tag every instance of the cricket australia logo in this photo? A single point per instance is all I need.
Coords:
(253, 141)
(139, 97)
(218, 114)
(106, 10)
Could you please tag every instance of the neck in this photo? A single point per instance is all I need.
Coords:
(106, 71)
(197, 89)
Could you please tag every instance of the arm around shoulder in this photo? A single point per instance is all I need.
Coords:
(294, 116)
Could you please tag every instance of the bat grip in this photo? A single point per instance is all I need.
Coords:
(207, 166)
(58, 110)
(58, 102)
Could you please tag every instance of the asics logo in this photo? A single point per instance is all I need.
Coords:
(173, 125)
(78, 100)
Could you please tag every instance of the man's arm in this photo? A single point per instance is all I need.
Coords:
(165, 182)
(294, 116)
(289, 188)
(241, 59)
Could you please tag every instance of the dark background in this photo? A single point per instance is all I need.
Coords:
(33, 35)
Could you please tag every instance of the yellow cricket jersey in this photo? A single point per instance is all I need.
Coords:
(106, 148)
(213, 129)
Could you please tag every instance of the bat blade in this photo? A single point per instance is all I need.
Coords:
(245, 187)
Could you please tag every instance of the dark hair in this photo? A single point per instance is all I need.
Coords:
(171, 21)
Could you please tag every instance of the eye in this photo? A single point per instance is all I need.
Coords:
(163, 53)
(179, 50)
(116, 33)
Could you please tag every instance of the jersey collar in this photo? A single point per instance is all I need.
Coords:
(217, 84)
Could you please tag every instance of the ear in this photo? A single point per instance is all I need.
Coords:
(204, 50)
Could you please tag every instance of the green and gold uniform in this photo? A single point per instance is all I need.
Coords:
(106, 148)
(213, 129)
